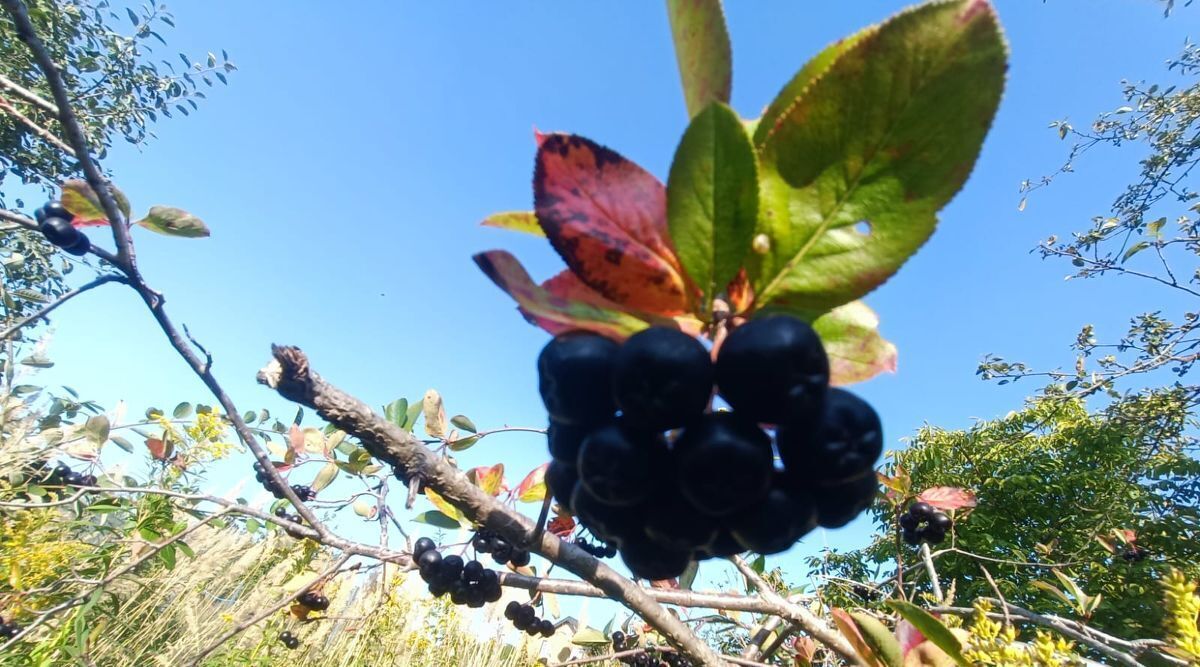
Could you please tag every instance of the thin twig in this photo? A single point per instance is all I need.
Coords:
(67, 296)
(28, 95)
(41, 132)
(933, 577)
(996, 590)
(237, 629)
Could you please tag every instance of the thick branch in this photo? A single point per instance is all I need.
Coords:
(101, 280)
(289, 374)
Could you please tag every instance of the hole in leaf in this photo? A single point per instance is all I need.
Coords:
(863, 227)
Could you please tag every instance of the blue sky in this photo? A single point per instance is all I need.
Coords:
(345, 169)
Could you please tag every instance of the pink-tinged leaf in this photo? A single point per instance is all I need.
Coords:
(158, 449)
(296, 440)
(805, 649)
(897, 487)
(1127, 535)
(948, 498)
(856, 350)
(908, 635)
(607, 218)
(532, 489)
(548, 311)
(516, 221)
(850, 631)
(79, 198)
(665, 584)
(488, 478)
(561, 526)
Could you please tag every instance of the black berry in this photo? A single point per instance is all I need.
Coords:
(561, 480)
(663, 378)
(724, 464)
(54, 209)
(59, 232)
(564, 440)
(775, 524)
(673, 523)
(80, 247)
(647, 560)
(838, 505)
(843, 445)
(768, 365)
(575, 378)
(617, 463)
(422, 545)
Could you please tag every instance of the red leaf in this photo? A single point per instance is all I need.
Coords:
(948, 497)
(561, 526)
(740, 293)
(551, 312)
(805, 649)
(665, 584)
(1129, 536)
(157, 448)
(488, 478)
(607, 218)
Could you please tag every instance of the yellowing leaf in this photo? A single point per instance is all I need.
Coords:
(173, 221)
(532, 489)
(435, 414)
(325, 477)
(490, 479)
(517, 221)
(443, 505)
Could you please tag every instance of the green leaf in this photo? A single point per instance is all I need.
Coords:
(849, 629)
(760, 564)
(1134, 249)
(436, 518)
(122, 443)
(689, 576)
(702, 50)
(397, 412)
(589, 637)
(853, 174)
(800, 82)
(464, 423)
(325, 477)
(1053, 590)
(851, 337)
(880, 639)
(516, 221)
(82, 202)
(173, 222)
(712, 199)
(252, 525)
(932, 628)
(463, 443)
(414, 411)
(167, 556)
(183, 410)
(97, 428)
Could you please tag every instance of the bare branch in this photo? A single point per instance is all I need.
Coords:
(28, 95)
(46, 310)
(41, 132)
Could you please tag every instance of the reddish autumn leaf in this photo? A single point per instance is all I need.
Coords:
(158, 449)
(488, 478)
(1127, 535)
(740, 293)
(561, 526)
(81, 200)
(665, 584)
(296, 439)
(549, 311)
(607, 218)
(532, 489)
(850, 631)
(908, 636)
(948, 497)
(805, 649)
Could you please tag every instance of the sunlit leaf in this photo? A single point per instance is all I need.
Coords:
(607, 218)
(435, 414)
(517, 221)
(443, 505)
(702, 51)
(933, 629)
(883, 644)
(488, 478)
(849, 629)
(82, 202)
(856, 351)
(948, 497)
(325, 477)
(463, 422)
(437, 519)
(173, 221)
(532, 489)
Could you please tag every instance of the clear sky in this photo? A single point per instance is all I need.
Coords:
(346, 168)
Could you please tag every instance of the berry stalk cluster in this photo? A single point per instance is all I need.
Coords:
(54, 221)
(289, 640)
(524, 618)
(598, 550)
(282, 513)
(502, 551)
(61, 475)
(923, 523)
(644, 464)
(313, 601)
(468, 583)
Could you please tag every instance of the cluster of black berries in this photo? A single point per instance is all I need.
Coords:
(599, 550)
(62, 475)
(524, 618)
(714, 489)
(303, 492)
(289, 640)
(922, 523)
(54, 221)
(282, 513)
(313, 600)
(502, 551)
(9, 630)
(468, 583)
(649, 658)
(1134, 554)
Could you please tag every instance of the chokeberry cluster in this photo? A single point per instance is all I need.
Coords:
(524, 618)
(650, 657)
(289, 640)
(54, 221)
(599, 550)
(1134, 554)
(713, 489)
(313, 600)
(467, 583)
(282, 513)
(62, 475)
(9, 630)
(923, 523)
(302, 491)
(502, 551)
